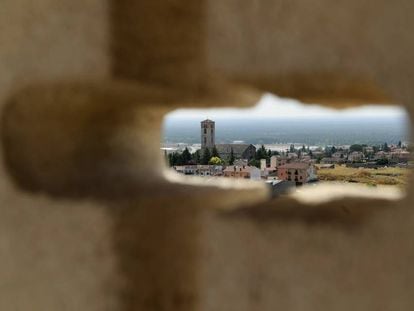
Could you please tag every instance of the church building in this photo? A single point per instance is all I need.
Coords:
(208, 140)
(207, 134)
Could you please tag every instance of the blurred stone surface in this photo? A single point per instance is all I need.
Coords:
(91, 220)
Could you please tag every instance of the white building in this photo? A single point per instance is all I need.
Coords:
(273, 162)
(355, 156)
(263, 164)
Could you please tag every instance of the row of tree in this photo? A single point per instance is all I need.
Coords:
(212, 157)
(204, 157)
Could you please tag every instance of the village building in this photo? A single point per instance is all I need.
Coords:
(186, 169)
(208, 140)
(399, 155)
(271, 170)
(204, 170)
(240, 151)
(281, 160)
(355, 156)
(331, 160)
(317, 153)
(368, 149)
(339, 155)
(280, 187)
(292, 155)
(200, 170)
(298, 172)
(263, 164)
(273, 162)
(247, 172)
(381, 155)
(268, 171)
(305, 158)
(241, 162)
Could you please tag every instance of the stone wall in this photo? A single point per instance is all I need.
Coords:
(91, 220)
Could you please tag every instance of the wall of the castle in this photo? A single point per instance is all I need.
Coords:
(175, 245)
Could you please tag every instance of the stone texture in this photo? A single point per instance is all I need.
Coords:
(315, 50)
(91, 221)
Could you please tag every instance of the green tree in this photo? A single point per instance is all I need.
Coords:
(254, 162)
(170, 160)
(232, 158)
(206, 156)
(175, 159)
(355, 147)
(261, 153)
(196, 157)
(214, 152)
(319, 159)
(186, 156)
(399, 144)
(178, 158)
(328, 152)
(215, 161)
(385, 147)
(382, 162)
(292, 148)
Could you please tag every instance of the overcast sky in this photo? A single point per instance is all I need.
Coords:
(271, 106)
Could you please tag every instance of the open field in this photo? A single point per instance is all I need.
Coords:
(383, 176)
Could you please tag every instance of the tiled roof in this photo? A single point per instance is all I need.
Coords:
(296, 165)
(233, 168)
(237, 148)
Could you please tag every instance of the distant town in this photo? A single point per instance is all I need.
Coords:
(289, 166)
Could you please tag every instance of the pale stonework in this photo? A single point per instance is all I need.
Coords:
(91, 219)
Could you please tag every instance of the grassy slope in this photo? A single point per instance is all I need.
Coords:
(383, 176)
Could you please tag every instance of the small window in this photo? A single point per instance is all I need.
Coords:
(378, 148)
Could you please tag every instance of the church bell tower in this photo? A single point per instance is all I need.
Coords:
(207, 134)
